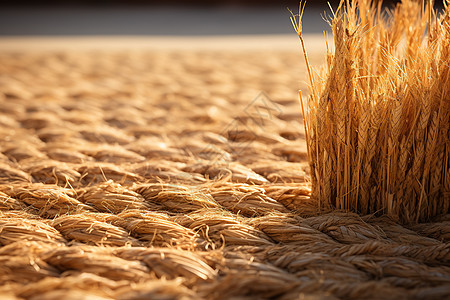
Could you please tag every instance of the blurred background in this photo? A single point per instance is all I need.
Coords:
(159, 18)
(156, 17)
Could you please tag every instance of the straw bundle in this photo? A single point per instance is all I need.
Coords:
(378, 121)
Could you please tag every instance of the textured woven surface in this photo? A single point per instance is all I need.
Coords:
(168, 175)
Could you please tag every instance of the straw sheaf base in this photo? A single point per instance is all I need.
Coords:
(155, 176)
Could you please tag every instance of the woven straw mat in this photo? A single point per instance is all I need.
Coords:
(183, 175)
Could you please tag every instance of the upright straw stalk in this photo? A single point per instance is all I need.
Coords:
(378, 116)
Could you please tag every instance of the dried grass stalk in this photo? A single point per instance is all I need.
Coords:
(378, 117)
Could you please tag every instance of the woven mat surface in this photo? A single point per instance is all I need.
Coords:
(183, 175)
